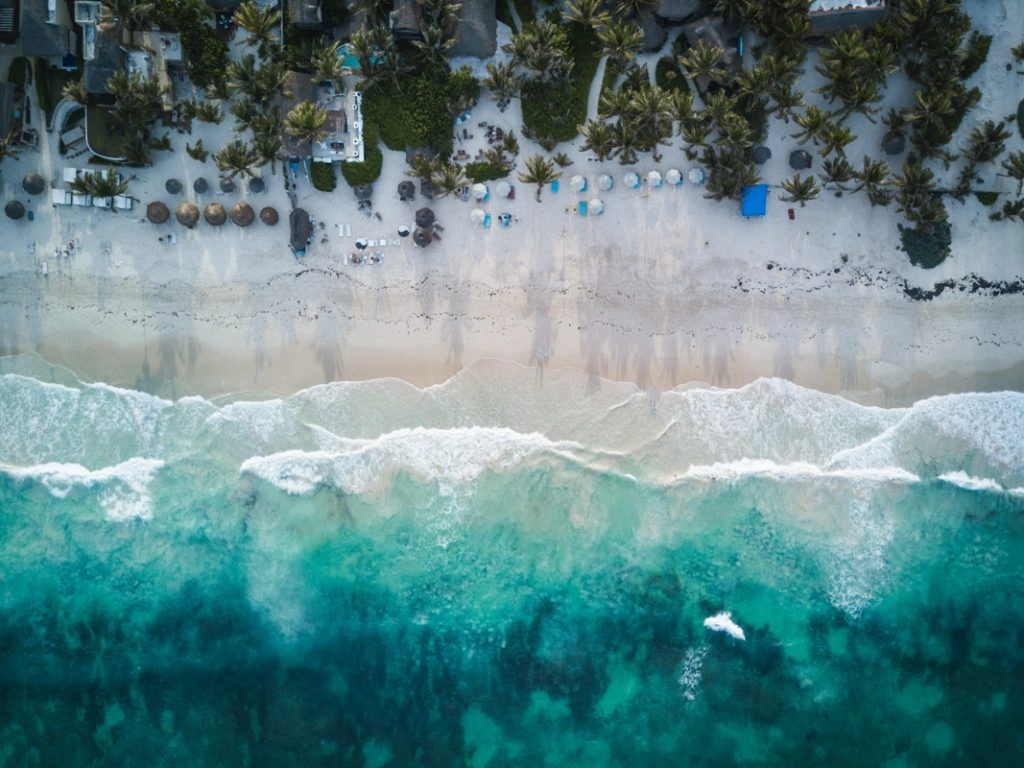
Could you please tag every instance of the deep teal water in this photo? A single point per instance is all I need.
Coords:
(498, 572)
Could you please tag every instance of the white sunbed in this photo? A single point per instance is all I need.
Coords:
(60, 197)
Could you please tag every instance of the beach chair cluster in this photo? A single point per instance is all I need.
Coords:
(67, 197)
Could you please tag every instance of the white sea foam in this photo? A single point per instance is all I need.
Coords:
(692, 671)
(449, 457)
(722, 622)
(765, 468)
(963, 480)
(122, 490)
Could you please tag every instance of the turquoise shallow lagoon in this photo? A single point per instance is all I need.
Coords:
(505, 572)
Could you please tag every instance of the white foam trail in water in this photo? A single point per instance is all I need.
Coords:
(449, 457)
(722, 622)
(123, 489)
(963, 480)
(692, 672)
(733, 470)
(858, 568)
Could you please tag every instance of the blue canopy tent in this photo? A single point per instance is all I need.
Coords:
(755, 200)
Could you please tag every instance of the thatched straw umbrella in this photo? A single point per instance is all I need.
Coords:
(34, 184)
(187, 214)
(256, 184)
(894, 143)
(429, 189)
(215, 214)
(227, 185)
(363, 191)
(242, 214)
(761, 155)
(14, 209)
(268, 215)
(201, 186)
(422, 237)
(173, 187)
(157, 212)
(424, 217)
(406, 190)
(799, 159)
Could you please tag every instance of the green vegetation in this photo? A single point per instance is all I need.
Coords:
(668, 76)
(987, 198)
(206, 55)
(43, 87)
(18, 70)
(927, 245)
(503, 14)
(977, 52)
(367, 171)
(1020, 117)
(106, 133)
(323, 176)
(486, 171)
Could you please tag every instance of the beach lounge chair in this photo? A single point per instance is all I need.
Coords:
(554, 185)
(487, 220)
(583, 208)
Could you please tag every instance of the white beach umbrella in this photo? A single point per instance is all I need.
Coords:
(477, 215)
(578, 183)
(503, 188)
(696, 176)
(631, 180)
(605, 182)
(673, 176)
(597, 206)
(654, 179)
(479, 191)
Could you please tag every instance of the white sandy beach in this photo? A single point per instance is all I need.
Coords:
(664, 288)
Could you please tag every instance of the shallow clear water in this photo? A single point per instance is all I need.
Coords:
(498, 572)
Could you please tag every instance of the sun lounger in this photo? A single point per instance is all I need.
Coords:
(554, 185)
(60, 197)
(487, 220)
(583, 208)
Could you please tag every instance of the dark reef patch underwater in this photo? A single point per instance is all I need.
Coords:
(492, 573)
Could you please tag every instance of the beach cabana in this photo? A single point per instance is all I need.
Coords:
(256, 184)
(34, 184)
(363, 191)
(14, 209)
(799, 160)
(761, 155)
(754, 201)
(605, 182)
(696, 175)
(422, 236)
(201, 186)
(242, 214)
(578, 183)
(477, 215)
(268, 215)
(157, 213)
(503, 188)
(424, 217)
(654, 179)
(301, 227)
(674, 177)
(215, 214)
(597, 206)
(227, 185)
(173, 187)
(480, 191)
(406, 190)
(187, 214)
(631, 180)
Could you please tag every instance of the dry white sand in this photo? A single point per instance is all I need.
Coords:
(666, 287)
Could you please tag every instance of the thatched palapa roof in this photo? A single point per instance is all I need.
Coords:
(187, 214)
(34, 184)
(242, 214)
(268, 215)
(215, 214)
(157, 212)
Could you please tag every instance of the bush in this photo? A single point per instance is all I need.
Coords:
(367, 171)
(987, 198)
(42, 87)
(554, 111)
(669, 77)
(323, 176)
(977, 52)
(927, 245)
(18, 70)
(412, 113)
(1020, 117)
(206, 55)
(503, 14)
(486, 171)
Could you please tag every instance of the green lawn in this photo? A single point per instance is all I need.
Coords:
(106, 137)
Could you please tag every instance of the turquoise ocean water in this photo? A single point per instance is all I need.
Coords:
(505, 572)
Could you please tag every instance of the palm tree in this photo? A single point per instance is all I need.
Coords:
(123, 15)
(102, 184)
(631, 9)
(236, 158)
(543, 48)
(327, 63)
(268, 150)
(873, 175)
(8, 148)
(786, 98)
(703, 61)
(306, 122)
(539, 171)
(434, 45)
(501, 80)
(587, 13)
(916, 179)
(448, 178)
(599, 137)
(423, 167)
(719, 108)
(695, 133)
(650, 115)
(800, 189)
(837, 171)
(1014, 167)
(262, 24)
(987, 142)
(242, 73)
(813, 124)
(613, 104)
(620, 41)
(932, 108)
(75, 90)
(836, 139)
